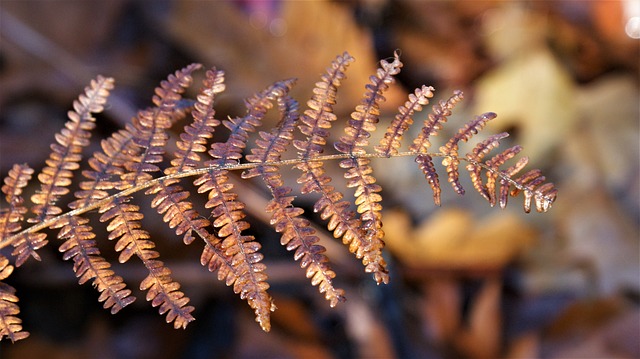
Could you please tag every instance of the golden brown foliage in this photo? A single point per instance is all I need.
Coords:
(131, 161)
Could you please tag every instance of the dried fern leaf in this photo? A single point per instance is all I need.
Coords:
(421, 144)
(66, 154)
(492, 176)
(81, 246)
(12, 216)
(433, 124)
(425, 162)
(248, 278)
(315, 123)
(451, 160)
(148, 129)
(390, 143)
(475, 171)
(365, 117)
(148, 137)
(10, 324)
(131, 161)
(297, 234)
(163, 291)
(531, 183)
(171, 199)
(18, 178)
(358, 174)
(505, 177)
(194, 138)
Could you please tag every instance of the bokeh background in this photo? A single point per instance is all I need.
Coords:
(468, 281)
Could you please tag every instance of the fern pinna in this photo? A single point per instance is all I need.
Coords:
(132, 161)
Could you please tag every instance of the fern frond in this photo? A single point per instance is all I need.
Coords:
(133, 240)
(425, 163)
(358, 173)
(66, 153)
(475, 172)
(316, 121)
(297, 234)
(194, 138)
(144, 150)
(149, 129)
(249, 279)
(438, 116)
(531, 183)
(492, 176)
(315, 124)
(365, 117)
(10, 324)
(171, 198)
(132, 161)
(64, 159)
(390, 143)
(18, 178)
(81, 246)
(451, 160)
(12, 216)
(506, 175)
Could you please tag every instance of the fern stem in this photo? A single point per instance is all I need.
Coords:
(243, 166)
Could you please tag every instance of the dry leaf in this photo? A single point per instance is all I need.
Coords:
(452, 239)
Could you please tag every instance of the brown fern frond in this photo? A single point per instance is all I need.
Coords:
(10, 324)
(492, 176)
(143, 142)
(230, 152)
(451, 160)
(390, 143)
(506, 175)
(132, 161)
(434, 121)
(194, 138)
(18, 178)
(359, 170)
(171, 198)
(66, 154)
(534, 188)
(297, 234)
(365, 117)
(81, 246)
(12, 216)
(149, 129)
(249, 279)
(425, 162)
(432, 124)
(315, 123)
(475, 172)
(162, 290)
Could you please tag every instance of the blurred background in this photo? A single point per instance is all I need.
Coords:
(468, 281)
